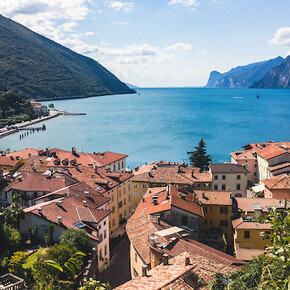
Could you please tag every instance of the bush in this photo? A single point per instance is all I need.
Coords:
(75, 238)
(49, 235)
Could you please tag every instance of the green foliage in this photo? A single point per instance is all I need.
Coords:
(10, 240)
(14, 264)
(39, 67)
(49, 235)
(198, 157)
(75, 238)
(264, 272)
(57, 268)
(93, 284)
(33, 234)
(14, 109)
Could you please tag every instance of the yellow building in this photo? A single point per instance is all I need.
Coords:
(10, 163)
(247, 240)
(217, 208)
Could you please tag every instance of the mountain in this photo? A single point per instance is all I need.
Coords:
(131, 86)
(242, 76)
(41, 68)
(277, 78)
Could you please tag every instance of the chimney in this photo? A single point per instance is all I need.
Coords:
(154, 200)
(59, 218)
(203, 195)
(96, 169)
(84, 202)
(87, 193)
(187, 261)
(158, 220)
(73, 151)
(143, 199)
(165, 259)
(39, 210)
(59, 203)
(144, 270)
(19, 179)
(11, 157)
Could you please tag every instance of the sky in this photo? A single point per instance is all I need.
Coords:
(162, 43)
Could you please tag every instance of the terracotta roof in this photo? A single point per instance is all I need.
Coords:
(69, 210)
(170, 174)
(248, 254)
(165, 202)
(227, 168)
(280, 166)
(24, 154)
(244, 155)
(214, 197)
(271, 152)
(139, 229)
(7, 161)
(250, 204)
(237, 222)
(258, 146)
(96, 179)
(32, 163)
(278, 182)
(250, 225)
(34, 181)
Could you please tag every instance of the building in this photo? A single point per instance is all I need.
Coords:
(272, 160)
(218, 211)
(10, 164)
(247, 240)
(160, 174)
(81, 209)
(229, 177)
(171, 206)
(277, 187)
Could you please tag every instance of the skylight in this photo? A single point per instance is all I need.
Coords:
(80, 225)
(98, 188)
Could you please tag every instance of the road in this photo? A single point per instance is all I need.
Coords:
(119, 270)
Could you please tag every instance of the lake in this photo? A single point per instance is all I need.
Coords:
(165, 123)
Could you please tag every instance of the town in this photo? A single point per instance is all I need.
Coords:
(182, 224)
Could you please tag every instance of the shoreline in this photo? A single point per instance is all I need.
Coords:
(52, 114)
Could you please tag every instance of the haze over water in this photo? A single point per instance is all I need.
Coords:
(165, 123)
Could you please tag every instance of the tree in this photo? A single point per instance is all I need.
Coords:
(198, 157)
(51, 106)
(93, 284)
(75, 238)
(14, 264)
(10, 240)
(48, 237)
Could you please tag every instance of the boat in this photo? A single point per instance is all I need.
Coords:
(258, 96)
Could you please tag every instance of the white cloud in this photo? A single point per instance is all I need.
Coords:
(179, 46)
(117, 5)
(68, 26)
(281, 37)
(130, 50)
(122, 23)
(203, 52)
(186, 3)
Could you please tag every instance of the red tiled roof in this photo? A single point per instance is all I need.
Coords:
(250, 225)
(278, 182)
(280, 166)
(214, 197)
(34, 181)
(248, 254)
(244, 155)
(227, 168)
(165, 202)
(7, 161)
(271, 152)
(248, 204)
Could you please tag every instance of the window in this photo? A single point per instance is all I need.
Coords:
(113, 209)
(216, 177)
(124, 190)
(223, 187)
(125, 213)
(255, 173)
(211, 209)
(120, 204)
(205, 209)
(124, 201)
(136, 257)
(255, 165)
(100, 237)
(129, 197)
(120, 193)
(136, 185)
(105, 250)
(223, 223)
(105, 234)
(210, 222)
(246, 234)
(144, 185)
(223, 209)
(109, 224)
(118, 166)
(120, 217)
(238, 186)
(128, 187)
(122, 164)
(114, 167)
(223, 177)
(105, 223)
(238, 195)
(238, 176)
(216, 187)
(101, 255)
(114, 222)
(112, 197)
(129, 209)
(205, 222)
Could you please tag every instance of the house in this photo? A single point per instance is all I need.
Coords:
(10, 164)
(160, 174)
(114, 185)
(170, 205)
(230, 177)
(271, 157)
(218, 211)
(79, 210)
(247, 240)
(33, 185)
(277, 187)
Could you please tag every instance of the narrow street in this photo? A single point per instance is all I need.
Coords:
(119, 270)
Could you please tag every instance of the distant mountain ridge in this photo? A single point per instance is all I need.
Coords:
(243, 76)
(277, 77)
(41, 68)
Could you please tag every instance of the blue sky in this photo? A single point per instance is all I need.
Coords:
(162, 43)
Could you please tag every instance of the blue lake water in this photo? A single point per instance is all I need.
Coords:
(165, 123)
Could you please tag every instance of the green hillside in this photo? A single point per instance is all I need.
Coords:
(41, 68)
